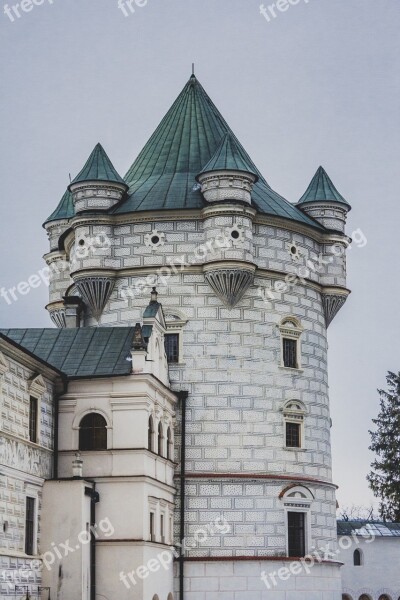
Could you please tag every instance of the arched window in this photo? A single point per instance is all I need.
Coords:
(357, 558)
(150, 435)
(384, 597)
(170, 447)
(155, 597)
(346, 597)
(93, 432)
(364, 597)
(170, 597)
(160, 440)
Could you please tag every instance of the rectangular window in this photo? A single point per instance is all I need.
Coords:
(172, 347)
(152, 532)
(29, 526)
(293, 435)
(162, 529)
(290, 353)
(33, 419)
(296, 534)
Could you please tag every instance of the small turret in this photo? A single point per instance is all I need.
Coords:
(229, 175)
(322, 202)
(226, 183)
(98, 187)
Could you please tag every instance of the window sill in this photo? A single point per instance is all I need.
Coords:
(290, 449)
(291, 369)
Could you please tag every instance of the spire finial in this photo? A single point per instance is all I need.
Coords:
(193, 75)
(154, 295)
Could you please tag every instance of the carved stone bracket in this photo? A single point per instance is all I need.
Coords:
(96, 291)
(332, 303)
(229, 283)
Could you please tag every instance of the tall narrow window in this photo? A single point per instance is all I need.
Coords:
(169, 444)
(160, 440)
(172, 347)
(33, 419)
(162, 529)
(293, 435)
(296, 534)
(150, 435)
(291, 330)
(290, 353)
(93, 432)
(152, 532)
(357, 558)
(30, 526)
(294, 412)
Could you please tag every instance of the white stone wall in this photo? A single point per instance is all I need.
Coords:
(378, 573)
(237, 580)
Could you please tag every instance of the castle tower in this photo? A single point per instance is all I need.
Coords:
(246, 337)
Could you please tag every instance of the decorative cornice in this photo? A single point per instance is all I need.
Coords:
(261, 476)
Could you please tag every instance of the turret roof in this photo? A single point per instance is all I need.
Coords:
(65, 209)
(98, 167)
(229, 157)
(192, 134)
(321, 189)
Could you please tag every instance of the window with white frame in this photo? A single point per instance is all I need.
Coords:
(290, 331)
(173, 337)
(297, 502)
(293, 414)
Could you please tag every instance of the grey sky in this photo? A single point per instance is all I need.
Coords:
(319, 84)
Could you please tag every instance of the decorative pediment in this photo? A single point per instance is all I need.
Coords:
(3, 365)
(37, 386)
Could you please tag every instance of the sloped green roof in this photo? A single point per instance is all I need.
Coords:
(65, 209)
(98, 167)
(229, 157)
(321, 189)
(163, 176)
(86, 352)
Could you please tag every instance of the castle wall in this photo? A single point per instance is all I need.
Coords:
(24, 467)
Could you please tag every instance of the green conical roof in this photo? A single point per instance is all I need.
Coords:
(98, 167)
(229, 157)
(65, 209)
(321, 189)
(163, 176)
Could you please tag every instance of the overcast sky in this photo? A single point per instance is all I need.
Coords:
(317, 84)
